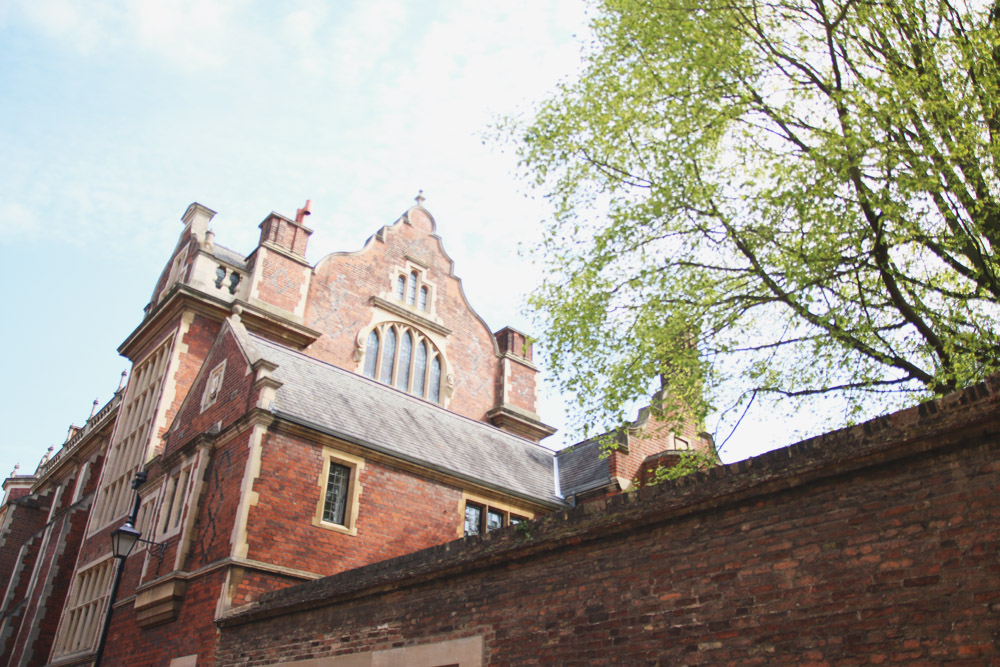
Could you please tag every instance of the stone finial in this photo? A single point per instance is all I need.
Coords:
(235, 312)
(420, 199)
(17, 467)
(121, 384)
(93, 410)
(209, 242)
(47, 455)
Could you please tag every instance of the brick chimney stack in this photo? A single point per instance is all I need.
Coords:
(285, 234)
(515, 343)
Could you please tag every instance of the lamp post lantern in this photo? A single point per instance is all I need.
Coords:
(123, 540)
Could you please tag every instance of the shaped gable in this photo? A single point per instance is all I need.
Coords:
(427, 340)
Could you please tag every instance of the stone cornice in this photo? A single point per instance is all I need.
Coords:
(183, 297)
(410, 316)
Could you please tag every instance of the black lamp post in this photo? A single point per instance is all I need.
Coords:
(123, 540)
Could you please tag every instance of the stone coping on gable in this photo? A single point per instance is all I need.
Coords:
(963, 418)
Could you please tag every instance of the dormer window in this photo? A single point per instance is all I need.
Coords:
(399, 355)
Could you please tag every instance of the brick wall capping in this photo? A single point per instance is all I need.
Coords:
(519, 422)
(410, 316)
(182, 297)
(966, 418)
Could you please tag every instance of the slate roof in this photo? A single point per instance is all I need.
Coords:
(229, 256)
(360, 410)
(581, 467)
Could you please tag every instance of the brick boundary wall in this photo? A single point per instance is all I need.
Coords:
(874, 544)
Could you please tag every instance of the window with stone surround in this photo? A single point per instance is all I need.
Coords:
(481, 516)
(399, 355)
(85, 608)
(213, 386)
(411, 289)
(133, 432)
(175, 493)
(340, 490)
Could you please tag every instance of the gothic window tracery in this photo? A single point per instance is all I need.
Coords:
(399, 355)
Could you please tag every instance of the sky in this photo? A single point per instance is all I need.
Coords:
(114, 116)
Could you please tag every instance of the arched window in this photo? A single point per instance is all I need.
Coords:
(420, 370)
(435, 385)
(398, 355)
(400, 287)
(411, 294)
(405, 352)
(388, 356)
(371, 354)
(423, 298)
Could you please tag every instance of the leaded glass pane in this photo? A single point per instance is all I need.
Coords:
(420, 369)
(423, 298)
(400, 287)
(388, 355)
(435, 388)
(494, 520)
(411, 293)
(335, 504)
(405, 352)
(473, 519)
(371, 354)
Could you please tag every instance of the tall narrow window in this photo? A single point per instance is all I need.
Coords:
(473, 519)
(435, 388)
(405, 353)
(134, 431)
(85, 609)
(411, 293)
(371, 354)
(420, 369)
(400, 287)
(423, 298)
(388, 355)
(399, 355)
(340, 487)
(335, 503)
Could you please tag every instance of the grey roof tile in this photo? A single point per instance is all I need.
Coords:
(581, 467)
(230, 256)
(367, 412)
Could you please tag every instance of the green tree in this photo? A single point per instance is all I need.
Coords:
(778, 197)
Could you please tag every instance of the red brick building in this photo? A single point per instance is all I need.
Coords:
(293, 421)
(873, 545)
